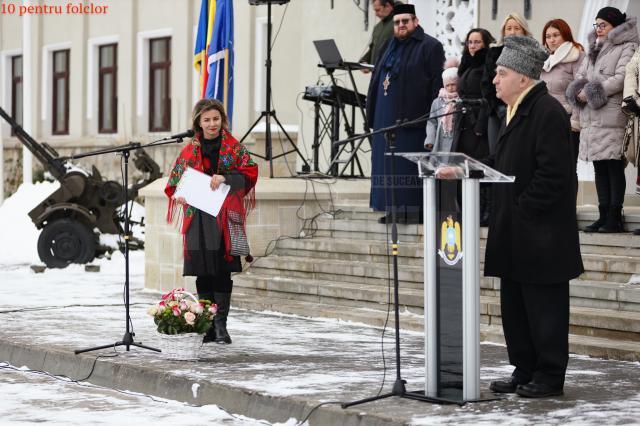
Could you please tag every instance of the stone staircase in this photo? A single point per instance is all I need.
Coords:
(341, 270)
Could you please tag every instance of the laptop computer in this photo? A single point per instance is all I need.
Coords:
(329, 53)
(331, 58)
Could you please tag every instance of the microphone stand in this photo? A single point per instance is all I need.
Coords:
(125, 150)
(398, 388)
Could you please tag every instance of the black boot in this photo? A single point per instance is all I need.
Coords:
(613, 223)
(223, 300)
(604, 211)
(210, 335)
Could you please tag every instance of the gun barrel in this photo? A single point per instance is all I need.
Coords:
(53, 164)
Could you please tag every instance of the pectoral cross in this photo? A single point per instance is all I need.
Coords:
(386, 83)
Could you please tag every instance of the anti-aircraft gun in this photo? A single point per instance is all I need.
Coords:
(85, 202)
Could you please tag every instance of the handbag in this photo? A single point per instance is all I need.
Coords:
(237, 234)
(630, 141)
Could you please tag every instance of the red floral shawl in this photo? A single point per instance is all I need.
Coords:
(233, 156)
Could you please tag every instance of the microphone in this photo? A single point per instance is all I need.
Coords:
(188, 134)
(479, 102)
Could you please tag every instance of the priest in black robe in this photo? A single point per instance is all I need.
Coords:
(407, 77)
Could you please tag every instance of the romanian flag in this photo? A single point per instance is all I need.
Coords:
(203, 40)
(215, 43)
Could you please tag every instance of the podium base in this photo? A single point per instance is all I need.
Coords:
(420, 396)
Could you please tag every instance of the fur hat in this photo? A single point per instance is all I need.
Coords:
(524, 55)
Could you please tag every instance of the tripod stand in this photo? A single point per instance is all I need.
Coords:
(269, 113)
(125, 150)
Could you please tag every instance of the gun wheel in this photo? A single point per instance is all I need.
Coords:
(66, 241)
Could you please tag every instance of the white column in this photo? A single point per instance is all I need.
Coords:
(27, 84)
(430, 302)
(1, 165)
(471, 289)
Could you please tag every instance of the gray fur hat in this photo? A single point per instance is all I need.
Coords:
(524, 55)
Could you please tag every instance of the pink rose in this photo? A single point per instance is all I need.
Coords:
(213, 309)
(190, 318)
(176, 311)
(184, 306)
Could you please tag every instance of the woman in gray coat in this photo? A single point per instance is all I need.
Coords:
(440, 130)
(597, 92)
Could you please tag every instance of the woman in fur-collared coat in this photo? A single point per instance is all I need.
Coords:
(597, 92)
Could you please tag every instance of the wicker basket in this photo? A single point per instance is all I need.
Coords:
(185, 346)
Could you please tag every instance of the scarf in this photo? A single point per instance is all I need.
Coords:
(450, 106)
(566, 52)
(392, 60)
(233, 157)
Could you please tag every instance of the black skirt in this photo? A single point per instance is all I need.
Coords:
(205, 248)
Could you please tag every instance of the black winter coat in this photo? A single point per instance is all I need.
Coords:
(488, 89)
(470, 132)
(533, 231)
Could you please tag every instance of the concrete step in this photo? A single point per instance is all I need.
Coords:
(597, 310)
(580, 344)
(589, 214)
(602, 323)
(333, 270)
(345, 294)
(586, 214)
(599, 266)
(583, 344)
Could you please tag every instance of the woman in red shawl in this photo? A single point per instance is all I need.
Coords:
(211, 252)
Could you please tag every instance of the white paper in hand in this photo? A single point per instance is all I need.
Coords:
(194, 187)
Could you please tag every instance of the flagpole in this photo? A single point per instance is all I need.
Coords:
(27, 111)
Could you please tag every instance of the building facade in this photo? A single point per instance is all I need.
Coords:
(99, 79)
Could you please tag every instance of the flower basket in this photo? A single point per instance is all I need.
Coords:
(184, 346)
(182, 320)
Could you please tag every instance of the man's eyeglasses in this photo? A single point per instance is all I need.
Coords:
(601, 26)
(403, 21)
(471, 42)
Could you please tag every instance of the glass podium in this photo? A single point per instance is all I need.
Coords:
(452, 272)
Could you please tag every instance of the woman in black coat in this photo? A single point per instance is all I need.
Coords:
(470, 131)
(470, 134)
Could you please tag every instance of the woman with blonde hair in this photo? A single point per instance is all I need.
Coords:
(212, 246)
(513, 24)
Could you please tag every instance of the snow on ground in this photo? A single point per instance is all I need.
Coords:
(19, 234)
(30, 397)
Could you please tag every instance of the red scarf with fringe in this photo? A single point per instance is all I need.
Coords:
(233, 156)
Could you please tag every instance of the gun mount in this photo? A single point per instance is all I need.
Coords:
(84, 203)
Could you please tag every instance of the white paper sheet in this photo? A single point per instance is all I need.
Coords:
(195, 187)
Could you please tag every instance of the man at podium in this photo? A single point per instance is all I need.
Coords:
(533, 245)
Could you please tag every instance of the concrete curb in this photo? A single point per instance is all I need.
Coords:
(117, 373)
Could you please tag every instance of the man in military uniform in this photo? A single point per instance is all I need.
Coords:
(382, 31)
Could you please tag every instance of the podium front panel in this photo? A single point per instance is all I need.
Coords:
(449, 285)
